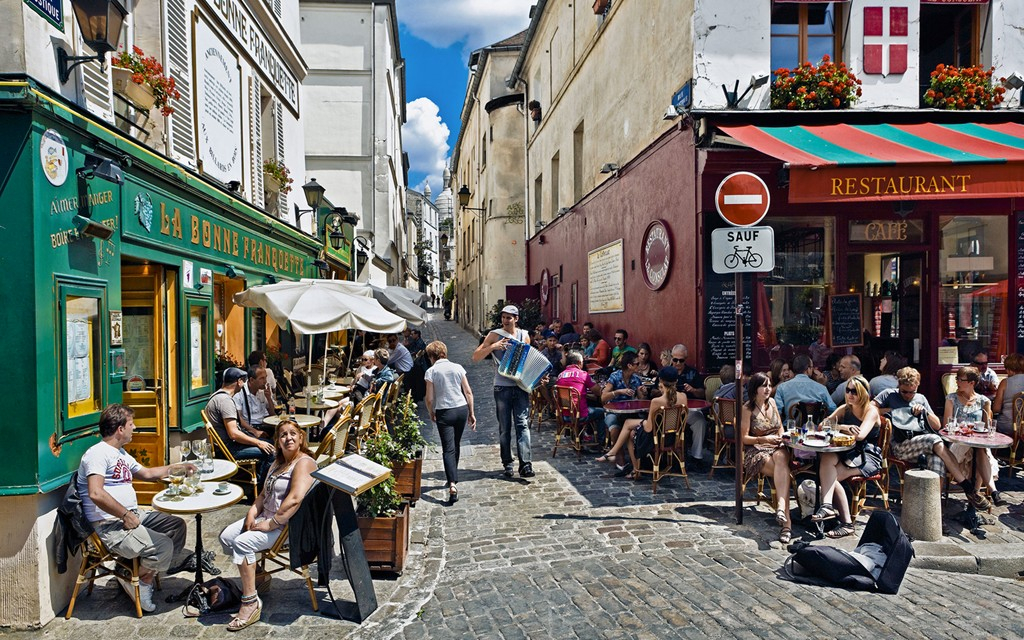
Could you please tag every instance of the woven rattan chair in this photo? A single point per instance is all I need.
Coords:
(245, 465)
(723, 412)
(97, 562)
(859, 484)
(570, 424)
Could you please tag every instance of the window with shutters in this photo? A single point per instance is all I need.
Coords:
(256, 140)
(178, 55)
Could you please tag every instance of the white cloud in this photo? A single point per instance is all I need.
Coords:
(474, 23)
(425, 139)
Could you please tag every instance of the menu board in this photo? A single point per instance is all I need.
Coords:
(720, 321)
(1020, 282)
(844, 320)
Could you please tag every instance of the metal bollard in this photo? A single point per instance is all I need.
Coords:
(921, 511)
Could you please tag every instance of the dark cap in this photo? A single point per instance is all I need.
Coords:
(669, 374)
(234, 374)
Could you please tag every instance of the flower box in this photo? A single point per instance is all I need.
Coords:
(386, 540)
(141, 96)
(271, 184)
(408, 478)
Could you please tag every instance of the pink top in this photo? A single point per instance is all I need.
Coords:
(275, 488)
(575, 378)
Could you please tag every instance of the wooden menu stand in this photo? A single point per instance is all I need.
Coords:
(351, 475)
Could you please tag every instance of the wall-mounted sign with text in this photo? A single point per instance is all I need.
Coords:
(218, 106)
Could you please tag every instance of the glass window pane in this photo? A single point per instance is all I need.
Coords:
(821, 19)
(973, 268)
(199, 346)
(83, 355)
(785, 53)
(819, 47)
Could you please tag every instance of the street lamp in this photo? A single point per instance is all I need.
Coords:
(335, 224)
(314, 193)
(100, 24)
(464, 196)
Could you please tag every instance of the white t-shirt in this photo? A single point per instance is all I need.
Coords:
(117, 468)
(446, 376)
(256, 410)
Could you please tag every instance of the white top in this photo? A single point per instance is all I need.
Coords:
(117, 468)
(251, 406)
(446, 376)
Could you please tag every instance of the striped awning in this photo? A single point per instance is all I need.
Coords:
(845, 162)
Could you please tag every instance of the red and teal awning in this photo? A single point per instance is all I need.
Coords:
(894, 161)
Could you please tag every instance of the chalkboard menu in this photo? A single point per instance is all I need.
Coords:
(720, 321)
(1020, 282)
(844, 320)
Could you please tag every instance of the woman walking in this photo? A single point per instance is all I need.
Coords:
(450, 405)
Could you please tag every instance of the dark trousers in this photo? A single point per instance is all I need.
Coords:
(450, 425)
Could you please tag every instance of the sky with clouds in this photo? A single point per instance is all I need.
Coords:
(436, 37)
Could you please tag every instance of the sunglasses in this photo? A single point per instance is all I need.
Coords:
(851, 391)
(678, 359)
(981, 364)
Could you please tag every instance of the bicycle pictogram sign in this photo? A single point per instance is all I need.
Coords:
(743, 250)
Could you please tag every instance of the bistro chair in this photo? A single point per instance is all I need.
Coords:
(712, 384)
(365, 419)
(280, 560)
(537, 406)
(570, 424)
(245, 465)
(859, 484)
(333, 444)
(800, 411)
(723, 412)
(95, 560)
(1011, 456)
(669, 446)
(948, 383)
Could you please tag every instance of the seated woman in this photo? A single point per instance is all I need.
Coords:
(967, 405)
(764, 452)
(647, 370)
(622, 385)
(891, 362)
(636, 435)
(360, 386)
(780, 372)
(383, 374)
(860, 418)
(1008, 388)
(287, 483)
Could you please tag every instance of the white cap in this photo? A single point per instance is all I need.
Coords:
(511, 309)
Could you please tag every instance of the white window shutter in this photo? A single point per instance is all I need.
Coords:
(97, 86)
(282, 200)
(256, 141)
(181, 132)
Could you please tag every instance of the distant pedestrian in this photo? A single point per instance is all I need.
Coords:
(512, 403)
(450, 405)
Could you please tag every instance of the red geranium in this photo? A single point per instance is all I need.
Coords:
(825, 86)
(147, 71)
(964, 88)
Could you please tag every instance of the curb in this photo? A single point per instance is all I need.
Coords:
(1003, 560)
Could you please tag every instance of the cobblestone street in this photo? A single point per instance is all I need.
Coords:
(574, 552)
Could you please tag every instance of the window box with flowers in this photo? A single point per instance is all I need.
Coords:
(276, 177)
(824, 86)
(963, 88)
(141, 80)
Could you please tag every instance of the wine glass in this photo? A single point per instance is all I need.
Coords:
(177, 478)
(186, 449)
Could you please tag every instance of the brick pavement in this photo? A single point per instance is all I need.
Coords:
(576, 553)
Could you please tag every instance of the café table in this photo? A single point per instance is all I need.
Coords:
(304, 420)
(986, 440)
(331, 392)
(310, 404)
(797, 444)
(221, 470)
(628, 407)
(210, 499)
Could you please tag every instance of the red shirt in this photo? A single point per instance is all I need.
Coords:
(575, 378)
(602, 353)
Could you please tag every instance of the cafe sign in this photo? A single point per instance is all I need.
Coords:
(896, 231)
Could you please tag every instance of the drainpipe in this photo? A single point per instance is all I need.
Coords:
(373, 123)
(526, 178)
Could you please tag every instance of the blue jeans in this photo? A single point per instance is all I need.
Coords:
(249, 452)
(513, 405)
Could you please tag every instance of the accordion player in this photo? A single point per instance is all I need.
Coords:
(523, 364)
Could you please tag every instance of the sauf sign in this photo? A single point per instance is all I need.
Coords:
(742, 200)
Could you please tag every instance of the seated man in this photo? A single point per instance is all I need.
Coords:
(801, 388)
(400, 359)
(910, 412)
(621, 347)
(223, 415)
(728, 389)
(110, 504)
(259, 359)
(252, 406)
(988, 381)
(574, 377)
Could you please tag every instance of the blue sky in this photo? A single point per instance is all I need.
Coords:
(436, 38)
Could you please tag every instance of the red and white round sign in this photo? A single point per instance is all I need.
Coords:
(656, 253)
(742, 199)
(545, 286)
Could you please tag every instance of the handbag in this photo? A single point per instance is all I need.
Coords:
(867, 457)
(216, 594)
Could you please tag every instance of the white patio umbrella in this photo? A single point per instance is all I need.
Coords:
(398, 300)
(319, 306)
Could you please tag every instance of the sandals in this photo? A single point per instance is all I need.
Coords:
(785, 535)
(825, 512)
(780, 517)
(843, 530)
(237, 624)
(605, 458)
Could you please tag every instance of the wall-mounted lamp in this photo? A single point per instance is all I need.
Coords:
(89, 228)
(1013, 81)
(271, 279)
(610, 167)
(464, 196)
(671, 113)
(99, 23)
(322, 267)
(232, 272)
(541, 240)
(732, 100)
(96, 166)
(334, 225)
(314, 193)
(234, 186)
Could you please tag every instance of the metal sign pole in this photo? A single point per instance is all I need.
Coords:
(739, 397)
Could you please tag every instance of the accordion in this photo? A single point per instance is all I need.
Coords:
(524, 364)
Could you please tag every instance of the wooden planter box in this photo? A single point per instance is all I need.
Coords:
(271, 184)
(139, 95)
(386, 540)
(408, 478)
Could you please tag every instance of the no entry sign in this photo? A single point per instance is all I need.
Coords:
(742, 199)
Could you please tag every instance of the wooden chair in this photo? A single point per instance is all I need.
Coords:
(278, 557)
(365, 419)
(712, 384)
(799, 411)
(1011, 457)
(859, 484)
(245, 465)
(723, 412)
(333, 444)
(669, 446)
(569, 421)
(537, 406)
(95, 560)
(948, 383)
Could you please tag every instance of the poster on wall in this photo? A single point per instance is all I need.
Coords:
(604, 279)
(218, 106)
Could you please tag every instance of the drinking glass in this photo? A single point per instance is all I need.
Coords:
(186, 449)
(186, 488)
(177, 478)
(791, 426)
(193, 481)
(951, 426)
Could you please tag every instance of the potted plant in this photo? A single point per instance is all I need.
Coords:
(407, 464)
(963, 88)
(276, 176)
(824, 86)
(141, 80)
(381, 514)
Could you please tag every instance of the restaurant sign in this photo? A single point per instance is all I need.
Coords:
(202, 233)
(906, 182)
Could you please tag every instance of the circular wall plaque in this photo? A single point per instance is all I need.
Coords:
(656, 254)
(53, 155)
(545, 286)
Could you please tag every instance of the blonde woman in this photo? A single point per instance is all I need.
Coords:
(286, 485)
(763, 449)
(637, 435)
(859, 418)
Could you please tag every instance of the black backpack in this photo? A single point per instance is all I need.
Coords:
(832, 567)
